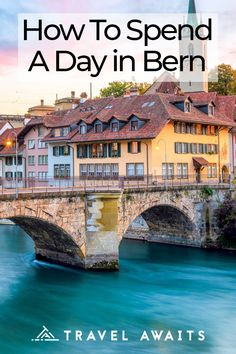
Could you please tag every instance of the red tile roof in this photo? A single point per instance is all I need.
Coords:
(155, 110)
(9, 135)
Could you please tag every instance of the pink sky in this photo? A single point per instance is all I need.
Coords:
(16, 96)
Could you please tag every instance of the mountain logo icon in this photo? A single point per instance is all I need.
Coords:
(45, 336)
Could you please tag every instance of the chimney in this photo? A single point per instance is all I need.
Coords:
(42, 102)
(83, 97)
(72, 94)
(134, 91)
(127, 93)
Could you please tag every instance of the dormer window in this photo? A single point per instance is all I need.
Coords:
(83, 129)
(187, 106)
(114, 126)
(211, 110)
(134, 125)
(98, 128)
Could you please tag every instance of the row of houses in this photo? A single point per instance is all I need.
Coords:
(162, 135)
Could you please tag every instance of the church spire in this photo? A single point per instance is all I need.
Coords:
(192, 14)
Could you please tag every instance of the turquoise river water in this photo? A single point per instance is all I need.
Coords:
(159, 288)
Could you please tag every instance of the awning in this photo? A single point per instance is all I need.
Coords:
(199, 162)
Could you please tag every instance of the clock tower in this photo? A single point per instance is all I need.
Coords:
(197, 80)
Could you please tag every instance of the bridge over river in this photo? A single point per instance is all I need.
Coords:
(84, 227)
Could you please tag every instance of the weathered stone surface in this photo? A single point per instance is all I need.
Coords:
(85, 230)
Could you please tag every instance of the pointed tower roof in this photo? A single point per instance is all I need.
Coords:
(192, 14)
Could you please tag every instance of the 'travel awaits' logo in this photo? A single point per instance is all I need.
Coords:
(45, 336)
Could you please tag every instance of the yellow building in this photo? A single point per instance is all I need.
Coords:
(41, 110)
(175, 137)
(178, 137)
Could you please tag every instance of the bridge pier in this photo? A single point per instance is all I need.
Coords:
(102, 243)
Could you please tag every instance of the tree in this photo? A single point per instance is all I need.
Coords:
(118, 88)
(226, 218)
(226, 84)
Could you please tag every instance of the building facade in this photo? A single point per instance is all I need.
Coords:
(35, 151)
(12, 170)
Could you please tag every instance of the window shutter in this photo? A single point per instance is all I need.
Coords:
(90, 150)
(104, 150)
(119, 154)
(176, 148)
(129, 147)
(54, 150)
(77, 151)
(109, 150)
(139, 146)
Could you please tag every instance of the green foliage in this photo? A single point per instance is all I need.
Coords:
(118, 88)
(206, 192)
(226, 84)
(226, 220)
(127, 196)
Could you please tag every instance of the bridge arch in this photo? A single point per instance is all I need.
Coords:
(52, 242)
(165, 219)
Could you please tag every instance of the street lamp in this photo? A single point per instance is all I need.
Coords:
(9, 143)
(158, 148)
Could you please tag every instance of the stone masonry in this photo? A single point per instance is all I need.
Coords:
(85, 229)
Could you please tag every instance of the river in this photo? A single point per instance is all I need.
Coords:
(159, 287)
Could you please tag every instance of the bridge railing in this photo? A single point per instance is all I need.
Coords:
(35, 185)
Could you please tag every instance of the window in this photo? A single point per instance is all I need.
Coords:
(130, 169)
(98, 170)
(98, 150)
(98, 128)
(139, 169)
(114, 169)
(187, 106)
(106, 170)
(19, 160)
(9, 175)
(211, 110)
(42, 144)
(43, 159)
(83, 170)
(114, 127)
(40, 131)
(9, 161)
(61, 171)
(83, 129)
(31, 174)
(212, 170)
(183, 128)
(61, 150)
(134, 147)
(134, 125)
(91, 169)
(31, 144)
(31, 160)
(178, 148)
(64, 131)
(82, 151)
(42, 176)
(167, 170)
(182, 170)
(114, 150)
(193, 148)
(134, 169)
(60, 131)
(184, 148)
(19, 175)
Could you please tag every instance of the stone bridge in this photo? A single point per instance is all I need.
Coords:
(85, 229)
